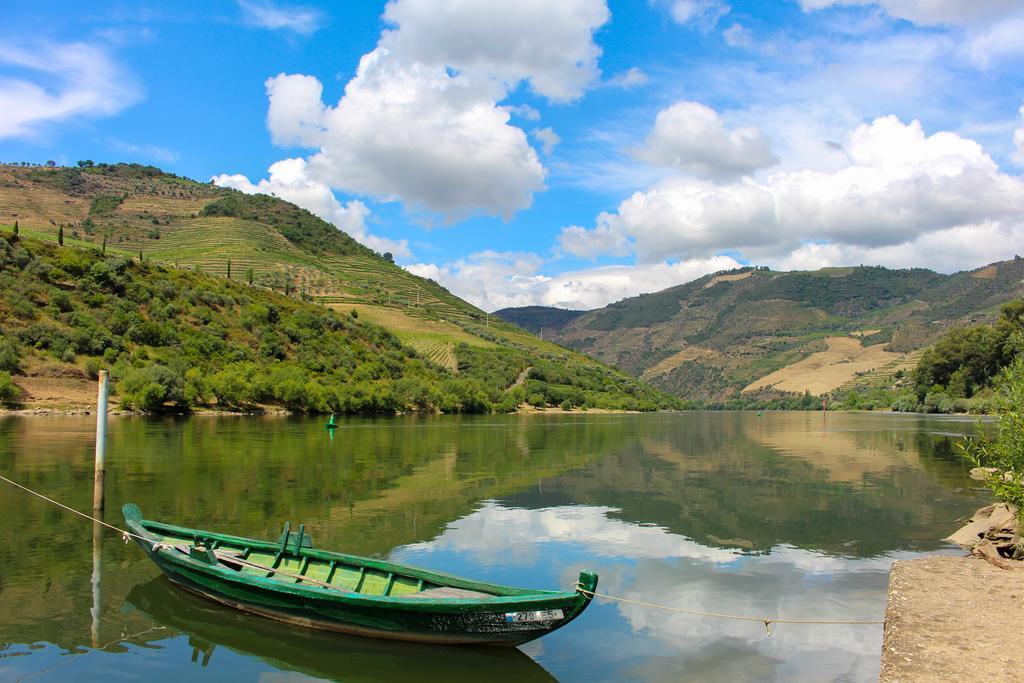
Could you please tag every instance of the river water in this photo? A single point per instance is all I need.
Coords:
(794, 515)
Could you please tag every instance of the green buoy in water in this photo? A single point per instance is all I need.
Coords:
(331, 424)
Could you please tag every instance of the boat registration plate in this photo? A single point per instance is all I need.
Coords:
(539, 615)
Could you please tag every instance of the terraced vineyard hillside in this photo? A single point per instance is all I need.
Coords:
(761, 332)
(268, 243)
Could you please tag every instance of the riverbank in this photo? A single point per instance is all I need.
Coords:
(959, 618)
(525, 409)
(953, 619)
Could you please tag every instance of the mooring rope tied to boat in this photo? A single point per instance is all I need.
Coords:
(720, 615)
(127, 535)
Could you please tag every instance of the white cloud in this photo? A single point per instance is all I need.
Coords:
(705, 13)
(595, 287)
(55, 82)
(691, 137)
(1018, 140)
(547, 137)
(428, 140)
(154, 152)
(523, 111)
(946, 251)
(930, 12)
(548, 44)
(494, 280)
(899, 185)
(590, 525)
(999, 41)
(296, 112)
(421, 123)
(289, 179)
(993, 28)
(603, 240)
(738, 35)
(266, 14)
(631, 78)
(489, 279)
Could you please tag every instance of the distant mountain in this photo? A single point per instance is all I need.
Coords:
(140, 213)
(537, 319)
(757, 330)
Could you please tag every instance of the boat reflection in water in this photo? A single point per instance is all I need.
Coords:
(322, 655)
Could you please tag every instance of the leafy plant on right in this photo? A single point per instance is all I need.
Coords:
(1004, 453)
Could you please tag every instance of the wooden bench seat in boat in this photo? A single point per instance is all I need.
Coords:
(448, 592)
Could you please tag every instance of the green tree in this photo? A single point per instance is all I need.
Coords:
(1005, 452)
(151, 387)
(17, 230)
(229, 269)
(10, 356)
(967, 358)
(249, 276)
(231, 388)
(195, 388)
(60, 235)
(9, 391)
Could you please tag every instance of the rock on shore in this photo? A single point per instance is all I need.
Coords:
(992, 534)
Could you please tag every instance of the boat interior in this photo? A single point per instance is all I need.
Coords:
(292, 560)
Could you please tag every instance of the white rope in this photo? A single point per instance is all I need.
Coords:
(125, 534)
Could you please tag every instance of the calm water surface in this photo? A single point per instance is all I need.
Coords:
(785, 514)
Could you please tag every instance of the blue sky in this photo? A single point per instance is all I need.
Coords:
(566, 153)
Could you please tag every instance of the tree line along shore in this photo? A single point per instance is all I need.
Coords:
(177, 339)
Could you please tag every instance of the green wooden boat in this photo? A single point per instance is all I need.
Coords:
(291, 581)
(319, 655)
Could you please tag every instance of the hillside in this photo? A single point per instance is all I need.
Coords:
(757, 331)
(266, 248)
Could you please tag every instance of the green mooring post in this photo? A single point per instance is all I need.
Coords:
(102, 395)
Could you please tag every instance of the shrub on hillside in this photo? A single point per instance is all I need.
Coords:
(905, 403)
(9, 391)
(1005, 452)
(231, 387)
(10, 356)
(151, 387)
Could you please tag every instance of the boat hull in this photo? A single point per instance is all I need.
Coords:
(501, 620)
(323, 655)
(506, 640)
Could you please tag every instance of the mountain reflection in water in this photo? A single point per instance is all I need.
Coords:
(786, 515)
